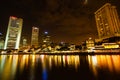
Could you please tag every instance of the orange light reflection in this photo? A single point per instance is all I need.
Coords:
(110, 62)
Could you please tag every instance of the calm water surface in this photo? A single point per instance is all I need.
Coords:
(59, 67)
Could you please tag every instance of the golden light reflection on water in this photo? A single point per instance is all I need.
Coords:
(59, 60)
(110, 62)
(9, 64)
(23, 60)
(64, 60)
(71, 61)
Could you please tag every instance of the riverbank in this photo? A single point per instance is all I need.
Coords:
(70, 53)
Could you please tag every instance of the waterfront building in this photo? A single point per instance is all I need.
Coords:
(110, 45)
(107, 21)
(13, 35)
(90, 43)
(72, 47)
(34, 37)
(57, 47)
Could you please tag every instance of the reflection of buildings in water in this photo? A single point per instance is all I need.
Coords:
(64, 60)
(23, 59)
(10, 63)
(32, 66)
(116, 60)
(71, 61)
(93, 64)
(8, 66)
(57, 60)
(110, 62)
(14, 65)
(44, 65)
(2, 62)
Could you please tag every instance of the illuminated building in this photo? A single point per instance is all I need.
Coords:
(1, 44)
(90, 43)
(46, 39)
(13, 35)
(1, 41)
(107, 21)
(35, 34)
(110, 45)
(24, 43)
(72, 47)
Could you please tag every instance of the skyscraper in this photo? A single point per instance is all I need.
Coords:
(46, 39)
(107, 21)
(13, 35)
(35, 34)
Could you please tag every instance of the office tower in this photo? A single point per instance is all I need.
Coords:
(46, 38)
(107, 21)
(35, 34)
(13, 35)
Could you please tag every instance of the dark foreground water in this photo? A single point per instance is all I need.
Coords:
(59, 67)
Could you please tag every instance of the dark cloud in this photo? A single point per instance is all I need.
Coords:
(65, 20)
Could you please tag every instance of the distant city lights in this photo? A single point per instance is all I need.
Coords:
(0, 33)
(46, 32)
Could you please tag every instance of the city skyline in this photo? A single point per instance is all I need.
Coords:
(64, 22)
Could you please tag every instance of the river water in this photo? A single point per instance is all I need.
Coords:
(59, 67)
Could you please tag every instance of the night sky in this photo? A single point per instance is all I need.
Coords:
(66, 20)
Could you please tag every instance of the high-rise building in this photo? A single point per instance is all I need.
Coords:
(13, 35)
(46, 38)
(107, 21)
(34, 38)
(1, 41)
(24, 42)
